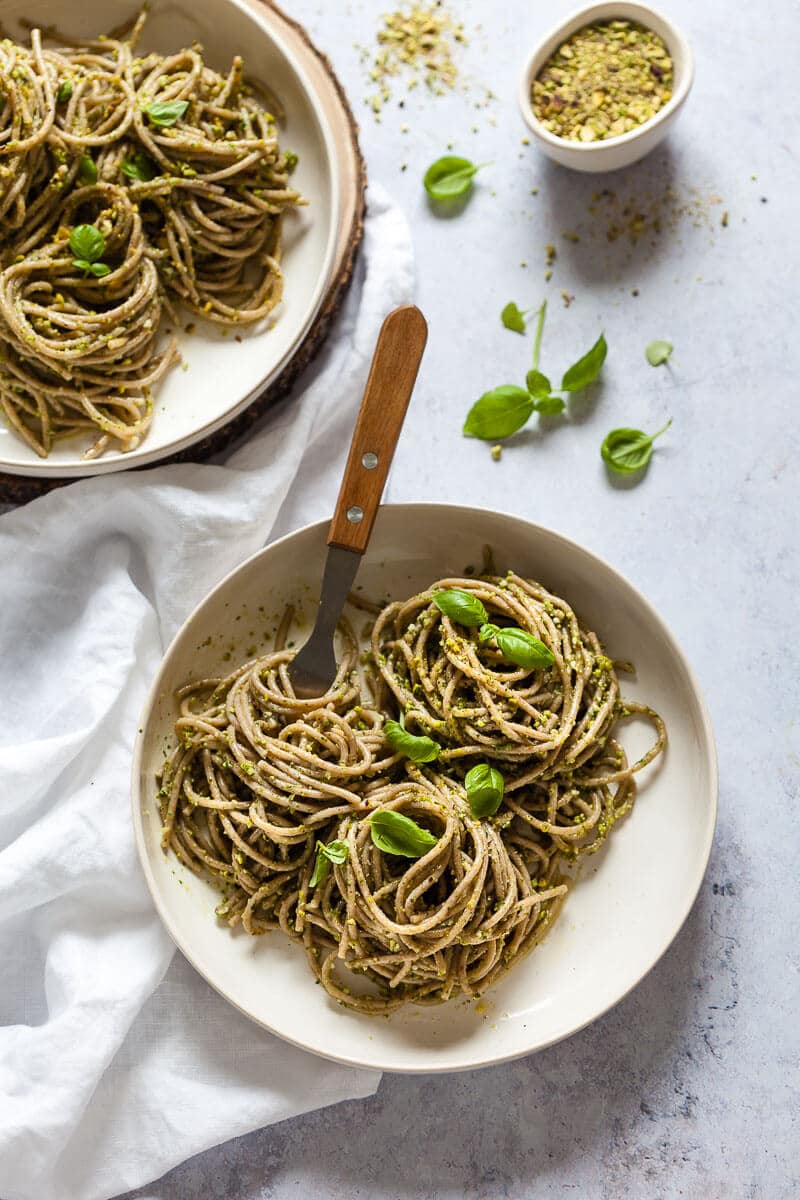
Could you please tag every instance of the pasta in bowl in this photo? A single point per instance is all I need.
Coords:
(484, 753)
(411, 855)
(169, 219)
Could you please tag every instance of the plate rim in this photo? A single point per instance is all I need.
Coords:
(47, 469)
(708, 751)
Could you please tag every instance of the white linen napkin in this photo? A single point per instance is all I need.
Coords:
(117, 1061)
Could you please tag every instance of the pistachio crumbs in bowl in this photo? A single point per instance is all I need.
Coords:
(603, 81)
(603, 88)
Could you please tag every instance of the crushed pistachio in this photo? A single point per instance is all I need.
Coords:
(603, 81)
(418, 40)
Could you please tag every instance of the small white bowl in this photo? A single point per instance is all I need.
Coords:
(611, 153)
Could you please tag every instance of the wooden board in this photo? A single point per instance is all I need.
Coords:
(17, 489)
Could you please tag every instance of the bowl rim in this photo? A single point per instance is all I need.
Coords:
(587, 15)
(143, 455)
(419, 510)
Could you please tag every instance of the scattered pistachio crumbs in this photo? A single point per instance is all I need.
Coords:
(418, 39)
(603, 81)
(636, 216)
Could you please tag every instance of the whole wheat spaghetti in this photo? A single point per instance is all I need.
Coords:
(180, 169)
(263, 787)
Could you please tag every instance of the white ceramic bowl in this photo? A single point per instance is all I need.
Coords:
(223, 375)
(616, 152)
(623, 912)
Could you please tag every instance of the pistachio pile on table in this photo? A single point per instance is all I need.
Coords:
(420, 40)
(603, 81)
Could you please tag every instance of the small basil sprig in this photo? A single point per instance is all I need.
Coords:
(99, 270)
(450, 177)
(64, 91)
(418, 749)
(394, 833)
(333, 852)
(461, 606)
(550, 406)
(164, 113)
(518, 646)
(88, 245)
(658, 353)
(139, 167)
(485, 786)
(515, 644)
(504, 410)
(87, 170)
(628, 450)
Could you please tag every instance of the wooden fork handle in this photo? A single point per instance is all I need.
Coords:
(395, 364)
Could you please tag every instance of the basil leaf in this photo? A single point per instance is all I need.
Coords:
(512, 318)
(658, 353)
(322, 868)
(64, 91)
(87, 171)
(139, 167)
(549, 406)
(627, 450)
(449, 177)
(586, 369)
(499, 413)
(461, 607)
(523, 649)
(485, 787)
(166, 112)
(518, 646)
(487, 632)
(91, 268)
(395, 834)
(290, 160)
(334, 852)
(418, 749)
(87, 242)
(537, 384)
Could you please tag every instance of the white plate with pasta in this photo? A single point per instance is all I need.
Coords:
(168, 222)
(421, 842)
